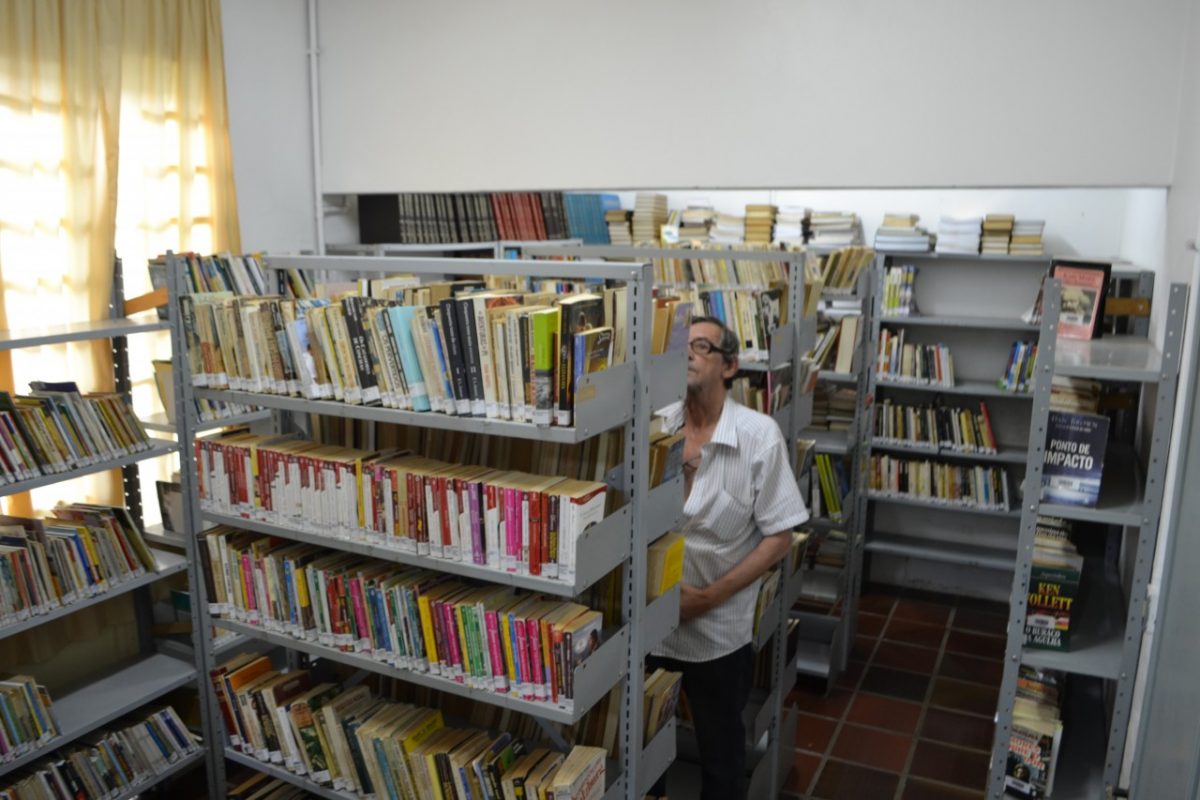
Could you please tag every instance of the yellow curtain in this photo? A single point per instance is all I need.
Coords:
(100, 100)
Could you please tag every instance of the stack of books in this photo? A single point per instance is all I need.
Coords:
(835, 228)
(649, 215)
(1053, 586)
(349, 739)
(619, 223)
(791, 225)
(978, 486)
(1075, 394)
(959, 235)
(820, 408)
(728, 229)
(760, 223)
(899, 287)
(935, 428)
(694, 223)
(1018, 375)
(585, 216)
(1037, 728)
(898, 361)
(997, 230)
(1027, 237)
(841, 409)
(899, 234)
(27, 723)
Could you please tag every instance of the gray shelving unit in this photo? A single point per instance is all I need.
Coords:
(1107, 633)
(150, 675)
(621, 397)
(770, 764)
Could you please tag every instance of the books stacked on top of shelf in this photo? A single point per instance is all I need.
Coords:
(831, 486)
(80, 551)
(585, 216)
(935, 428)
(959, 235)
(55, 429)
(27, 722)
(661, 698)
(216, 273)
(206, 410)
(791, 225)
(766, 393)
(460, 350)
(664, 564)
(351, 739)
(510, 521)
(976, 486)
(997, 230)
(485, 637)
(727, 229)
(899, 233)
(1073, 464)
(695, 222)
(898, 361)
(1036, 735)
(841, 268)
(110, 762)
(1027, 237)
(1053, 586)
(1018, 375)
(899, 284)
(760, 222)
(619, 222)
(768, 589)
(649, 214)
(835, 228)
(1075, 394)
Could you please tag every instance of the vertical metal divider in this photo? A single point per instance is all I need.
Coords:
(193, 525)
(638, 311)
(1030, 500)
(1152, 499)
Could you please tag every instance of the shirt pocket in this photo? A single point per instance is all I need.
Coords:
(729, 515)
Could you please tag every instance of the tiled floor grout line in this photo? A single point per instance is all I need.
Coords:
(841, 720)
(912, 753)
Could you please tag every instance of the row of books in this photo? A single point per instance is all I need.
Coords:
(454, 217)
(27, 721)
(666, 457)
(708, 267)
(1018, 375)
(978, 486)
(223, 272)
(1036, 735)
(767, 392)
(79, 551)
(1053, 586)
(509, 521)
(660, 699)
(833, 408)
(898, 361)
(843, 333)
(585, 215)
(468, 352)
(752, 314)
(935, 427)
(840, 270)
(55, 429)
(351, 739)
(829, 486)
(899, 283)
(900, 233)
(109, 762)
(206, 410)
(485, 637)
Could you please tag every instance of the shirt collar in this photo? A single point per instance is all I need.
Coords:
(726, 431)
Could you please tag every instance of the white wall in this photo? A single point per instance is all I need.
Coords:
(531, 94)
(266, 82)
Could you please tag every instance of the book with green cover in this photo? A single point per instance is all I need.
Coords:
(543, 348)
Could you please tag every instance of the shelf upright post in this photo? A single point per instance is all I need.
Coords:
(1044, 375)
(193, 526)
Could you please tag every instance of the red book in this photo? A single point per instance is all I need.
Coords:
(539, 218)
(443, 500)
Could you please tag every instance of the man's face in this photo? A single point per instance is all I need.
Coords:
(706, 367)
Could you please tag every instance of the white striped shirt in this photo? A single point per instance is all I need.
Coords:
(744, 489)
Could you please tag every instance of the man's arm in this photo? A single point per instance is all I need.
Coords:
(694, 601)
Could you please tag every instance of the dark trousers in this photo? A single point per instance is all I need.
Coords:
(717, 692)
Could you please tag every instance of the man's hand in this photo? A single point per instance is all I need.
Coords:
(693, 602)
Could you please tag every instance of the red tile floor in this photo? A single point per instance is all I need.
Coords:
(911, 717)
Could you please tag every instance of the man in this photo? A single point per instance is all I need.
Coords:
(742, 503)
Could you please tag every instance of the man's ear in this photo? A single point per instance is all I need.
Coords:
(729, 368)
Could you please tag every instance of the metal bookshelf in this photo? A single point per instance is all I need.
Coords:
(1107, 628)
(619, 398)
(770, 765)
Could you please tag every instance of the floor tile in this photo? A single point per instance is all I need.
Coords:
(909, 632)
(894, 683)
(971, 619)
(813, 733)
(872, 748)
(862, 649)
(936, 598)
(870, 624)
(975, 644)
(966, 768)
(833, 705)
(917, 789)
(850, 675)
(874, 603)
(975, 670)
(959, 696)
(990, 606)
(842, 781)
(884, 712)
(905, 657)
(953, 728)
(804, 768)
(922, 611)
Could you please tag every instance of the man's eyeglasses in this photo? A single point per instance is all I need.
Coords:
(702, 347)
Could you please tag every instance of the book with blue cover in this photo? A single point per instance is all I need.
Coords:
(1074, 458)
